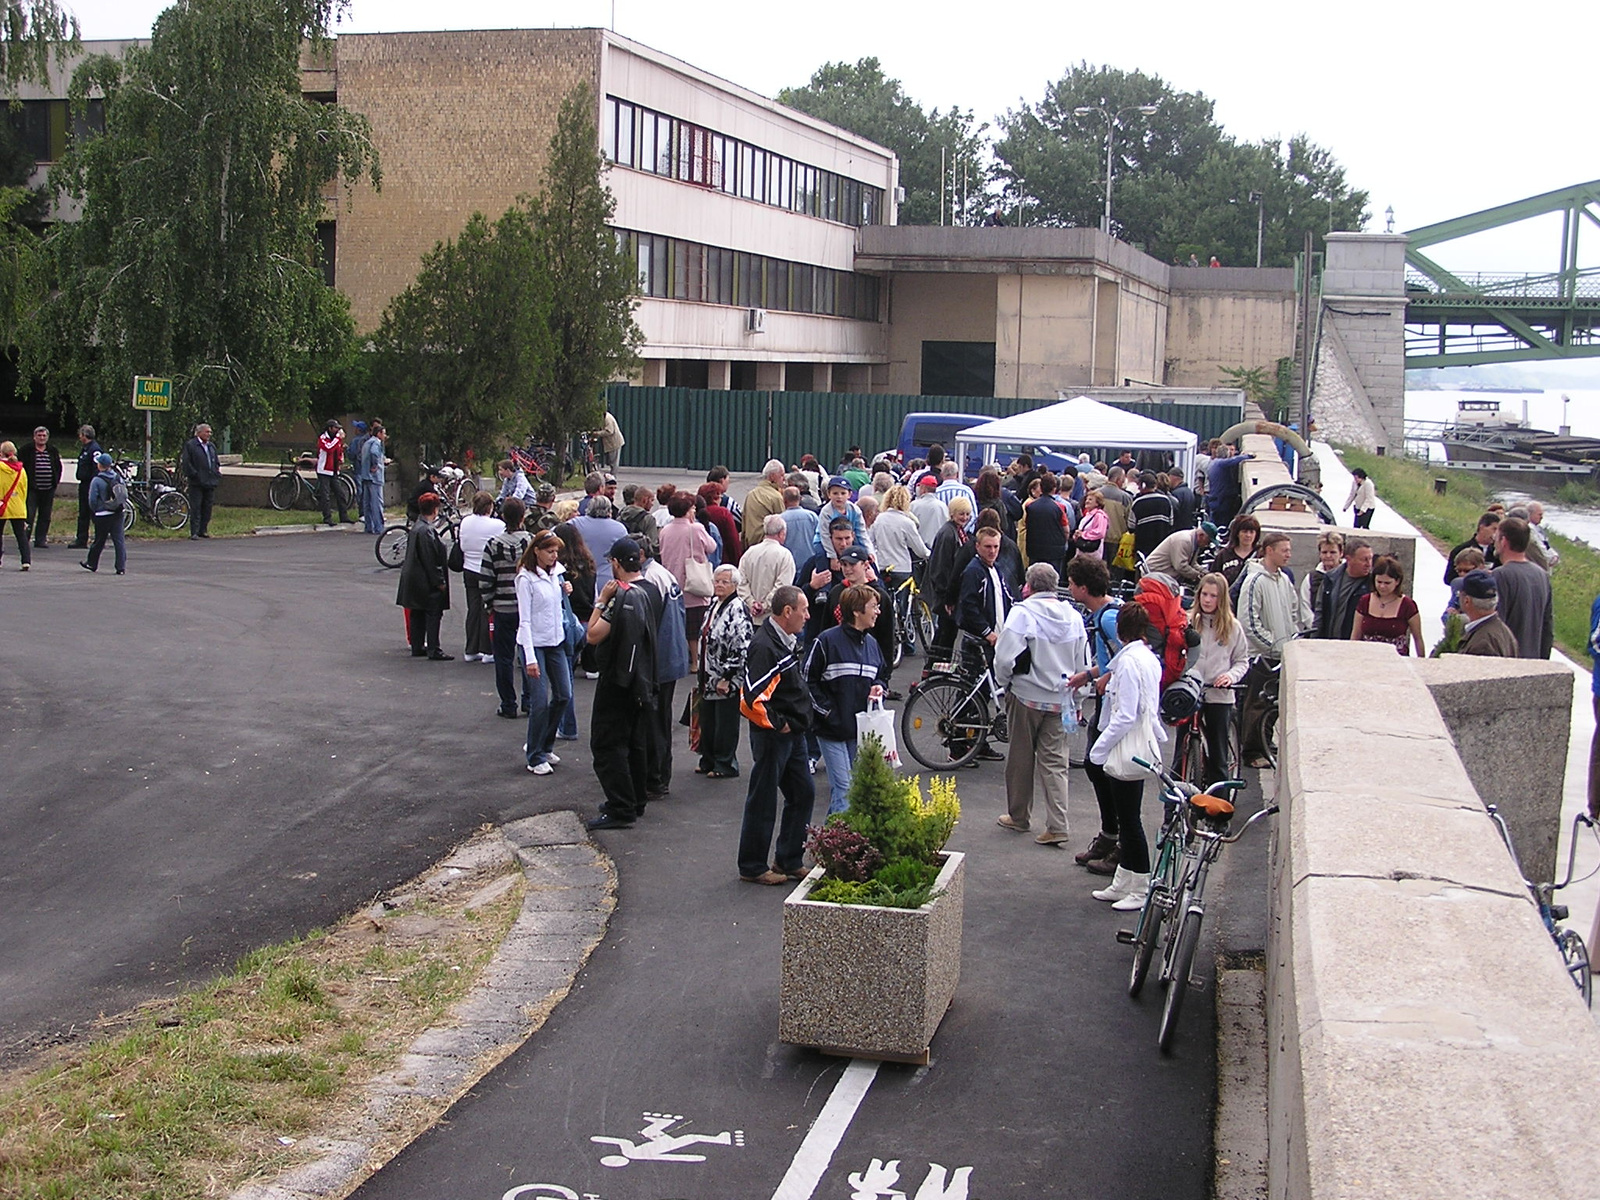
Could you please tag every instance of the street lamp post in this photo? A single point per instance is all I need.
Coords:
(1111, 120)
(1261, 222)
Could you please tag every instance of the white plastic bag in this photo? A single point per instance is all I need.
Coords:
(879, 721)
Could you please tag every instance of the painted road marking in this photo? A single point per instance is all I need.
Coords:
(816, 1152)
(657, 1145)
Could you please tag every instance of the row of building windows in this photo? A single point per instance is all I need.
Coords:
(651, 141)
(673, 269)
(45, 126)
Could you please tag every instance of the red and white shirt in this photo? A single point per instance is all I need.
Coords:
(330, 453)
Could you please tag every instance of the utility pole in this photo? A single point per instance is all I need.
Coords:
(1111, 136)
(1308, 328)
(1261, 222)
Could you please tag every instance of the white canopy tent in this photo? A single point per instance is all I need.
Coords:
(1082, 424)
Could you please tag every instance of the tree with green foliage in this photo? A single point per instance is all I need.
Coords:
(860, 98)
(515, 327)
(196, 254)
(462, 349)
(1180, 184)
(33, 34)
(592, 283)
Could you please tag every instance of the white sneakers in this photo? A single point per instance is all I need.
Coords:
(541, 768)
(1127, 891)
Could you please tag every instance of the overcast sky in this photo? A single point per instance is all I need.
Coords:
(1437, 110)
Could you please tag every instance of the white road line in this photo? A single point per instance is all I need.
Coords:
(816, 1152)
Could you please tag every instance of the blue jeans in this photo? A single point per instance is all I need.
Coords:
(549, 694)
(370, 501)
(841, 760)
(779, 765)
(567, 726)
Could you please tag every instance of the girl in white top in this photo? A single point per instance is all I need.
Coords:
(473, 536)
(1220, 660)
(541, 634)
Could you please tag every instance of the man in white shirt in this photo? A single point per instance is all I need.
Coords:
(953, 487)
(1270, 608)
(766, 566)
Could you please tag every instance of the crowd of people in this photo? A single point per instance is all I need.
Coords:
(777, 607)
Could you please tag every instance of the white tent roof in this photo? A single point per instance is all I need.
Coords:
(1084, 424)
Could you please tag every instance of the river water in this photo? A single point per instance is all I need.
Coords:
(1541, 410)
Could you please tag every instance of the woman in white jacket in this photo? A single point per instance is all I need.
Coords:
(540, 585)
(1220, 660)
(1132, 697)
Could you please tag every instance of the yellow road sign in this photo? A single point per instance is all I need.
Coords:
(151, 394)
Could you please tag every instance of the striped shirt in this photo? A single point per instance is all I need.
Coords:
(499, 565)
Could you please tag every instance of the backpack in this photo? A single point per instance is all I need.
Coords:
(116, 496)
(1097, 629)
(1169, 627)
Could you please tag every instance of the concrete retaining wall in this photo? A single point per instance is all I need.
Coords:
(1424, 1039)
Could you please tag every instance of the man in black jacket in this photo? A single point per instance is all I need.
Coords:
(623, 629)
(203, 471)
(424, 589)
(1342, 589)
(778, 705)
(984, 602)
(87, 470)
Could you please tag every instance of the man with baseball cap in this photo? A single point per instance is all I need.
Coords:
(1486, 633)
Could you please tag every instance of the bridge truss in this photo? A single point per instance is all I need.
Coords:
(1468, 319)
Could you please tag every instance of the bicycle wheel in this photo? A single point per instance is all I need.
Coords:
(284, 490)
(462, 491)
(391, 545)
(1077, 746)
(1192, 763)
(924, 621)
(1178, 982)
(942, 724)
(1147, 936)
(347, 490)
(1576, 957)
(160, 474)
(129, 513)
(171, 510)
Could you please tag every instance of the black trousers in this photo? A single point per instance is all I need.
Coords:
(424, 630)
(619, 735)
(85, 517)
(41, 503)
(328, 494)
(658, 766)
(200, 509)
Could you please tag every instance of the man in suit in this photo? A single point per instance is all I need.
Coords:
(983, 603)
(204, 473)
(1486, 633)
(87, 470)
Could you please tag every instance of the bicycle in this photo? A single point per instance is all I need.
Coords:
(457, 486)
(1189, 752)
(288, 487)
(1193, 831)
(951, 713)
(390, 545)
(1574, 954)
(913, 618)
(157, 501)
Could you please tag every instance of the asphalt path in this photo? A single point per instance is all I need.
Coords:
(231, 745)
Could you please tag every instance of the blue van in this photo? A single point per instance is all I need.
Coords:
(921, 430)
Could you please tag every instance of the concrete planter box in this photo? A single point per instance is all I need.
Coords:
(870, 982)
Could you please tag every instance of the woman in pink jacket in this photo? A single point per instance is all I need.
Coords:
(684, 539)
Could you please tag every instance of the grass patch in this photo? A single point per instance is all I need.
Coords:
(1407, 485)
(225, 522)
(192, 1097)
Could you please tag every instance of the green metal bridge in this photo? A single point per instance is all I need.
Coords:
(1464, 320)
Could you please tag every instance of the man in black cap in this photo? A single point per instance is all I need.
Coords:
(623, 629)
(1486, 633)
(855, 567)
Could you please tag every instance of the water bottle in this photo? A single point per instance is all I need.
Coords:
(1071, 715)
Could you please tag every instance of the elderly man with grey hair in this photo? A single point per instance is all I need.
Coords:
(1486, 633)
(766, 567)
(1042, 643)
(762, 501)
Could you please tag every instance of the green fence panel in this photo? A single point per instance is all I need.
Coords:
(693, 428)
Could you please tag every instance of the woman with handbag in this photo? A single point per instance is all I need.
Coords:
(1089, 540)
(542, 634)
(1127, 728)
(723, 646)
(845, 671)
(686, 550)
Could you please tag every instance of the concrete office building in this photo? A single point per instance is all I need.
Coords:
(767, 250)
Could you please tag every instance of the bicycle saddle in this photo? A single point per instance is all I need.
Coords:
(1218, 808)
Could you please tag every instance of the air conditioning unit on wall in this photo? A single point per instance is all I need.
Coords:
(755, 320)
